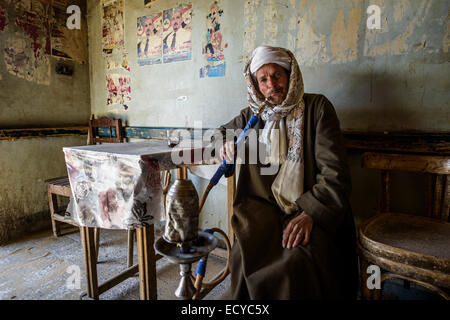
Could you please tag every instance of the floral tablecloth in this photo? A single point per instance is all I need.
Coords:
(117, 185)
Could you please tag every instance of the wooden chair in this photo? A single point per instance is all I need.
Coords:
(61, 186)
(409, 247)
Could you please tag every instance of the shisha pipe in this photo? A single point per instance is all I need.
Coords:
(226, 168)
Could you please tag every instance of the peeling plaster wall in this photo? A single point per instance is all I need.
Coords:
(25, 164)
(60, 100)
(395, 78)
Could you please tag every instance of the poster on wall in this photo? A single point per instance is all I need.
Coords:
(27, 48)
(113, 26)
(149, 34)
(177, 34)
(119, 90)
(214, 45)
(70, 44)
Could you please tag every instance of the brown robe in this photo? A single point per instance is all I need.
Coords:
(326, 268)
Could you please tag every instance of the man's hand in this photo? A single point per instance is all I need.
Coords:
(297, 230)
(227, 151)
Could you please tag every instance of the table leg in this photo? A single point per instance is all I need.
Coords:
(88, 239)
(147, 263)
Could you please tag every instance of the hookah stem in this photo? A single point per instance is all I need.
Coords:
(201, 268)
(225, 168)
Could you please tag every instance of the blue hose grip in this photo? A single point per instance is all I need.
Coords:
(225, 168)
(201, 266)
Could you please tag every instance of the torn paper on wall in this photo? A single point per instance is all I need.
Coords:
(117, 63)
(113, 26)
(28, 46)
(177, 34)
(149, 35)
(212, 50)
(119, 90)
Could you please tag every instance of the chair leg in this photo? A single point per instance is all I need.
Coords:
(130, 247)
(53, 205)
(97, 242)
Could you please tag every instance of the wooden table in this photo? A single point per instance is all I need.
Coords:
(87, 162)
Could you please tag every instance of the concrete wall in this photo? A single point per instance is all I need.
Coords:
(31, 96)
(388, 79)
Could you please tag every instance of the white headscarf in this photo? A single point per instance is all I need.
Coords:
(265, 54)
(283, 129)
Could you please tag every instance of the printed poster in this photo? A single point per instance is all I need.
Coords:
(113, 26)
(119, 90)
(213, 47)
(177, 34)
(149, 34)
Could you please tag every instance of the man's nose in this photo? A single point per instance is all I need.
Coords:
(271, 82)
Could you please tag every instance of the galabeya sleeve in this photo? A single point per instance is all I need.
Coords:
(327, 201)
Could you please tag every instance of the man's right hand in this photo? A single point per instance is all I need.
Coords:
(227, 151)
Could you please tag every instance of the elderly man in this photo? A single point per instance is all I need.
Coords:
(295, 234)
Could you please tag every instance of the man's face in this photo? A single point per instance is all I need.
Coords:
(148, 27)
(273, 82)
(176, 20)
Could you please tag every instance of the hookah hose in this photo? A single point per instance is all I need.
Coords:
(201, 268)
(227, 168)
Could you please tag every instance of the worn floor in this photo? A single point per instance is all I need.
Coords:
(42, 267)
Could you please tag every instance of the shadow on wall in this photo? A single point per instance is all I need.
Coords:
(390, 102)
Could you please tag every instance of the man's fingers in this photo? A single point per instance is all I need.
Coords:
(292, 236)
(298, 238)
(286, 233)
(306, 240)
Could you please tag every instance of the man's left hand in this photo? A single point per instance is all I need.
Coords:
(297, 230)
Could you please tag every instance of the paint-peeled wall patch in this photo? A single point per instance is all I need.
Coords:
(26, 50)
(213, 47)
(70, 44)
(113, 26)
(119, 90)
(177, 34)
(149, 35)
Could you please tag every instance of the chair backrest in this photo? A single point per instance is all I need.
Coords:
(105, 122)
(437, 178)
